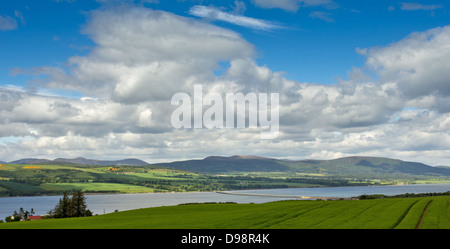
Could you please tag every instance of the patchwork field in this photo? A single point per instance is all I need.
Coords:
(53, 179)
(20, 180)
(392, 213)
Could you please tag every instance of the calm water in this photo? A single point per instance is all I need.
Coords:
(354, 191)
(100, 204)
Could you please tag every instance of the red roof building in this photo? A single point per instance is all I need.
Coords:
(36, 217)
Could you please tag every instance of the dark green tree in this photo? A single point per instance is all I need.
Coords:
(63, 208)
(71, 207)
(79, 207)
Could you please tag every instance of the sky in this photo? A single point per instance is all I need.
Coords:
(95, 78)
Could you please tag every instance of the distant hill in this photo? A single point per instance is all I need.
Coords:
(348, 166)
(82, 161)
(218, 164)
(30, 161)
(360, 166)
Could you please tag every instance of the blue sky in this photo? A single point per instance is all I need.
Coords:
(355, 77)
(312, 43)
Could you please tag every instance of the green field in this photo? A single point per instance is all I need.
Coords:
(51, 179)
(391, 213)
(98, 187)
(26, 180)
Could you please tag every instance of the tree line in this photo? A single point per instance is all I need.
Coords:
(406, 195)
(68, 206)
(19, 216)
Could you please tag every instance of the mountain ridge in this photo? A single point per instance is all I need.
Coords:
(82, 161)
(345, 166)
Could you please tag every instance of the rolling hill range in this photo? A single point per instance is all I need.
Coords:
(347, 166)
(27, 177)
(81, 161)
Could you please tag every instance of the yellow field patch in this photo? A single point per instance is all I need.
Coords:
(32, 167)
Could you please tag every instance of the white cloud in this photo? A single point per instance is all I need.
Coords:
(418, 6)
(292, 5)
(142, 57)
(325, 16)
(418, 63)
(7, 23)
(19, 16)
(215, 14)
(239, 7)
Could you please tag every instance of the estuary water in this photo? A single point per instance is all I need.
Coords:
(353, 191)
(108, 203)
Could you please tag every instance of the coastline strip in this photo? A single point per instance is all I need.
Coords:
(287, 196)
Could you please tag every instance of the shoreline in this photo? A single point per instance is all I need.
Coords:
(289, 196)
(111, 202)
(240, 190)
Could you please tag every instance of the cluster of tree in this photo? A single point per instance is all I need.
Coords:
(406, 195)
(19, 216)
(422, 194)
(242, 186)
(330, 182)
(374, 196)
(74, 206)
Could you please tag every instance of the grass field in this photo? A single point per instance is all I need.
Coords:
(23, 180)
(98, 187)
(395, 213)
(33, 180)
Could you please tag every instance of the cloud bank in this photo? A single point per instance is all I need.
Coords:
(142, 57)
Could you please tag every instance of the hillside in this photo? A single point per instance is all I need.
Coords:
(392, 213)
(218, 164)
(43, 176)
(348, 166)
(365, 166)
(81, 161)
(343, 167)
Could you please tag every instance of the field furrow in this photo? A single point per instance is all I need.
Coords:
(399, 213)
